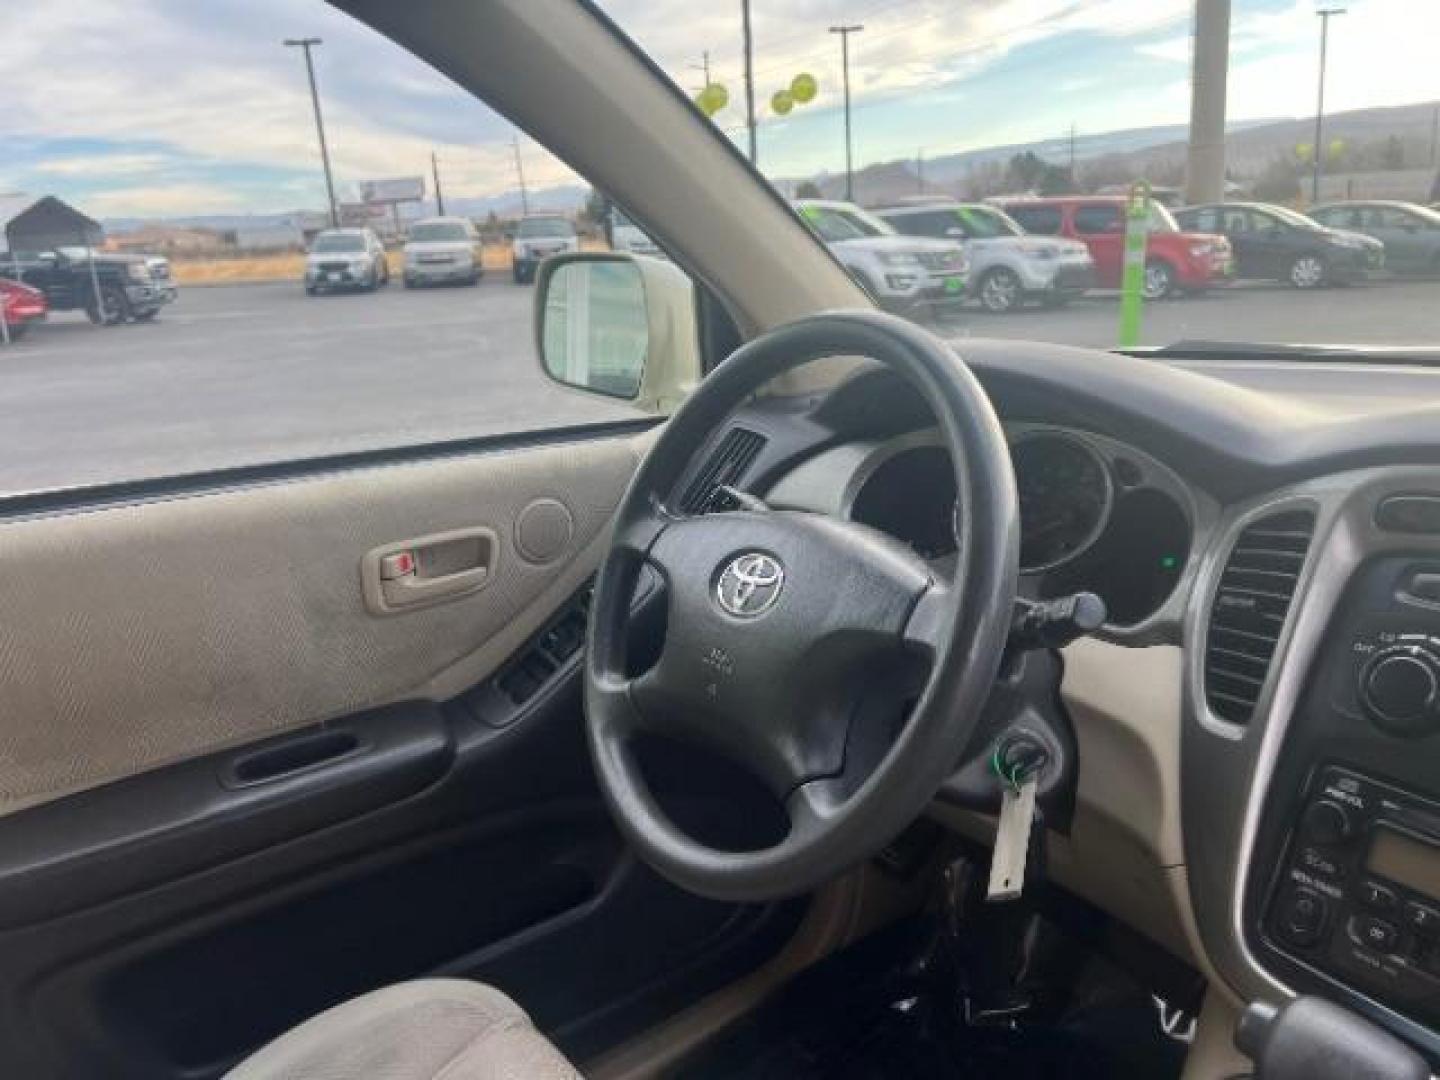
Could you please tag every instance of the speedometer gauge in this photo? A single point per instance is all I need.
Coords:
(1065, 498)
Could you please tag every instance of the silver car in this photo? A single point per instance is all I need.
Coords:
(537, 238)
(345, 259)
(1007, 265)
(1410, 233)
(443, 249)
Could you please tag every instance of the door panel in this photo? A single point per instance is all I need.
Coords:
(150, 632)
(290, 809)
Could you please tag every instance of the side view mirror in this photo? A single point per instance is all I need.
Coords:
(618, 325)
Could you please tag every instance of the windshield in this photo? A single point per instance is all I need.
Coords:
(1291, 218)
(930, 109)
(545, 227)
(985, 223)
(1160, 219)
(833, 225)
(867, 224)
(439, 230)
(331, 243)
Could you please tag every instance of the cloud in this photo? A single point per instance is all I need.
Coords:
(116, 164)
(197, 98)
(165, 200)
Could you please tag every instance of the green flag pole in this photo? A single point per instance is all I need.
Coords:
(1132, 281)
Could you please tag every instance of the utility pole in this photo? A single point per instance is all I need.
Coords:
(1434, 134)
(749, 81)
(439, 195)
(1072, 151)
(307, 44)
(1209, 70)
(1319, 154)
(845, 32)
(920, 169)
(520, 172)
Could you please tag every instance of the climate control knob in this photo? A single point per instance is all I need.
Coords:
(1400, 689)
(1326, 822)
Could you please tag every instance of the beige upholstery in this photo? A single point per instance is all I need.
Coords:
(429, 1029)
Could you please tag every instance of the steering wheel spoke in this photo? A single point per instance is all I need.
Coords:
(930, 620)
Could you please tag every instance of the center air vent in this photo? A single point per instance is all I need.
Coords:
(1251, 603)
(726, 465)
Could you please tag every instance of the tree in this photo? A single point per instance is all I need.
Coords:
(1055, 180)
(808, 189)
(597, 207)
(1392, 157)
(1278, 182)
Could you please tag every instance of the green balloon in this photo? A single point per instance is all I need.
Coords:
(782, 102)
(803, 88)
(712, 99)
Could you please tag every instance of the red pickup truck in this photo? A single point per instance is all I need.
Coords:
(20, 305)
(1175, 261)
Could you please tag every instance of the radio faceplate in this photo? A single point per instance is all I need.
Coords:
(1348, 900)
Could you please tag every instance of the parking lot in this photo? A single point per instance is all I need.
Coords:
(254, 373)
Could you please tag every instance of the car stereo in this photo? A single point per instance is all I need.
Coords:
(1358, 894)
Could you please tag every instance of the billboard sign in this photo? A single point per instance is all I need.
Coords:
(393, 190)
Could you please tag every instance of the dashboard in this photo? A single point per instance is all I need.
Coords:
(1261, 532)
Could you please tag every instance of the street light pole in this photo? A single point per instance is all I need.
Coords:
(749, 80)
(1319, 151)
(307, 44)
(845, 32)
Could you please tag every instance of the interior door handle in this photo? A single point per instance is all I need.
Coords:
(428, 569)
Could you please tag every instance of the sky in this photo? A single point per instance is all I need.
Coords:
(184, 107)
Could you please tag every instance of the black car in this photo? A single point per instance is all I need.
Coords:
(116, 288)
(1277, 243)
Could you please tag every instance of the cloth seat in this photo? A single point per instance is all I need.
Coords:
(428, 1029)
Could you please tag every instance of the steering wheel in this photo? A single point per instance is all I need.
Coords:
(778, 622)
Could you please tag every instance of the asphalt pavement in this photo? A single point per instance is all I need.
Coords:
(246, 374)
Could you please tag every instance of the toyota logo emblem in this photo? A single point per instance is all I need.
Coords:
(750, 585)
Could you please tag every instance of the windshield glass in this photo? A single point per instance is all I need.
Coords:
(1160, 219)
(438, 230)
(930, 109)
(331, 243)
(984, 223)
(545, 227)
(868, 224)
(832, 225)
(1291, 218)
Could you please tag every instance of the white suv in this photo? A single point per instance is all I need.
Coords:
(1007, 265)
(902, 273)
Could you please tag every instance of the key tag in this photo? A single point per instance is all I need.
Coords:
(1012, 840)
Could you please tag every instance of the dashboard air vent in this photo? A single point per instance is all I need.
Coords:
(726, 465)
(1254, 597)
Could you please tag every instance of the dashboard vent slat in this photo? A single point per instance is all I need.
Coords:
(1251, 605)
(726, 465)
